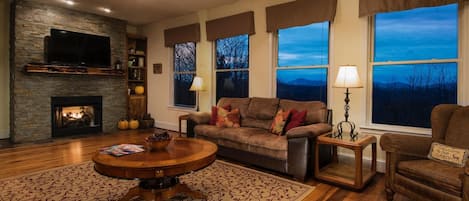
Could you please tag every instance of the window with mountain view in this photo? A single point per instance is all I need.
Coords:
(302, 62)
(414, 64)
(232, 67)
(183, 73)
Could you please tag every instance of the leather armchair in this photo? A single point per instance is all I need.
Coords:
(409, 171)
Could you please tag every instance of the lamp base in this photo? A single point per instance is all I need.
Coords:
(340, 129)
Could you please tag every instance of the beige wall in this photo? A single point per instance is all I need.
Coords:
(4, 69)
(349, 45)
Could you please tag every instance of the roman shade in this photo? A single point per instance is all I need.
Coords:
(234, 25)
(371, 7)
(299, 12)
(182, 34)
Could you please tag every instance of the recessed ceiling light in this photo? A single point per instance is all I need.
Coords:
(69, 2)
(107, 10)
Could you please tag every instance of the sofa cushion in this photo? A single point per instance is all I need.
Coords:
(440, 176)
(241, 134)
(456, 133)
(297, 119)
(241, 103)
(316, 111)
(448, 155)
(214, 114)
(255, 140)
(227, 118)
(262, 108)
(208, 130)
(279, 122)
(257, 123)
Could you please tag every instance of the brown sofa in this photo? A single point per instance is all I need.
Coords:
(409, 172)
(253, 143)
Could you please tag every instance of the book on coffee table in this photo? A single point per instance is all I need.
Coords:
(122, 149)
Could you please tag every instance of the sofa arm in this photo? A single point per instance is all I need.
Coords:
(312, 130)
(406, 144)
(200, 117)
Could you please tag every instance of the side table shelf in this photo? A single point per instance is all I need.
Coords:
(354, 176)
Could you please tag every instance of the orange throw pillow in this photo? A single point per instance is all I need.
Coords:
(227, 118)
(278, 124)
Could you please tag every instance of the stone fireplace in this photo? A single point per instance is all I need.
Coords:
(73, 115)
(31, 95)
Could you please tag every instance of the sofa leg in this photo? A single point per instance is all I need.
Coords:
(389, 194)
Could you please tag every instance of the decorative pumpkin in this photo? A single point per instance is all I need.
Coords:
(139, 90)
(133, 124)
(123, 124)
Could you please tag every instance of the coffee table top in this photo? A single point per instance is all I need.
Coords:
(182, 155)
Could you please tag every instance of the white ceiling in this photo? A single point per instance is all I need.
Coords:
(140, 12)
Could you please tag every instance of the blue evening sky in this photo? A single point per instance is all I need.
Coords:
(304, 45)
(417, 34)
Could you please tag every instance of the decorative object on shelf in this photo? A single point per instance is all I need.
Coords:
(197, 86)
(139, 90)
(147, 121)
(133, 124)
(158, 140)
(123, 124)
(347, 78)
(118, 65)
(141, 61)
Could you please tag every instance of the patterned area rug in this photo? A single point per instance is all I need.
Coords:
(219, 181)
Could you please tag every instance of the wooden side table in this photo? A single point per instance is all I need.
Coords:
(182, 117)
(353, 176)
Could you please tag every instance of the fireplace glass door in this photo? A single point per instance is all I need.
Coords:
(76, 115)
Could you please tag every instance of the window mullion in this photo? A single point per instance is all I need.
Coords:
(431, 61)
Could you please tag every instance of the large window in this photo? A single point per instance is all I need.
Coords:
(184, 72)
(302, 61)
(414, 64)
(232, 67)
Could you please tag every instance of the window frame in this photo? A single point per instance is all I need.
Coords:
(215, 70)
(276, 67)
(174, 72)
(463, 32)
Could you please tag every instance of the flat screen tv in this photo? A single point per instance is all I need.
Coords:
(78, 49)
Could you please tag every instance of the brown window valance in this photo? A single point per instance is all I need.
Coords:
(182, 34)
(299, 12)
(371, 7)
(230, 26)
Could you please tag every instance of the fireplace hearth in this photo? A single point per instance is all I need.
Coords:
(74, 115)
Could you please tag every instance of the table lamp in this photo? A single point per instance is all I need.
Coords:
(347, 78)
(197, 85)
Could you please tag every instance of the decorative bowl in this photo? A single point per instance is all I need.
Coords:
(157, 145)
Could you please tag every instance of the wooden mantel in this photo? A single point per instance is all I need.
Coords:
(71, 70)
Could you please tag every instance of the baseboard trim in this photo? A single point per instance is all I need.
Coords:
(170, 126)
(380, 164)
(4, 133)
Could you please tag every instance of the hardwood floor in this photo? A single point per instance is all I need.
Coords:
(27, 158)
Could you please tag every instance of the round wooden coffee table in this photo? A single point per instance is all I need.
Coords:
(158, 171)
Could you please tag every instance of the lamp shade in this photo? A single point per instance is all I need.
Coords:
(197, 84)
(348, 78)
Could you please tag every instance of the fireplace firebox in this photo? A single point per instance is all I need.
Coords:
(73, 115)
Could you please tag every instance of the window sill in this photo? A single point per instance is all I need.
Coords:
(181, 109)
(380, 129)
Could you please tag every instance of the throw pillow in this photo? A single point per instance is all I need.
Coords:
(449, 155)
(279, 122)
(227, 118)
(296, 119)
(213, 119)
